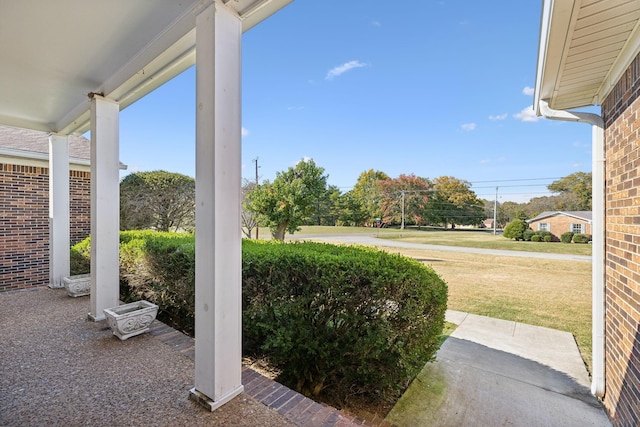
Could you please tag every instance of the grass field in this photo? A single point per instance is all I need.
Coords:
(465, 238)
(550, 293)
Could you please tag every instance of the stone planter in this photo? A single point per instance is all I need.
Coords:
(131, 319)
(77, 286)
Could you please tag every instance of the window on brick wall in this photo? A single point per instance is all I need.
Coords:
(544, 226)
(577, 228)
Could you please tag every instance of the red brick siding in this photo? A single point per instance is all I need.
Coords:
(79, 205)
(621, 112)
(24, 223)
(24, 229)
(560, 224)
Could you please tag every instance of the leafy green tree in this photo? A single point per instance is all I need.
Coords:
(515, 229)
(453, 202)
(286, 203)
(351, 210)
(560, 202)
(324, 211)
(415, 190)
(368, 191)
(578, 184)
(158, 200)
(249, 219)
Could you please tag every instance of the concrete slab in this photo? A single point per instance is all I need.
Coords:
(496, 372)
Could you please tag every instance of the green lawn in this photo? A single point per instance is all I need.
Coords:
(464, 238)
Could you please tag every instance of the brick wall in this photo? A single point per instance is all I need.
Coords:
(79, 205)
(24, 223)
(621, 112)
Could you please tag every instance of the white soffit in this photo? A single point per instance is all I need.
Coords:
(585, 47)
(54, 53)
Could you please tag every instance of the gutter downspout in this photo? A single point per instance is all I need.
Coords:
(598, 235)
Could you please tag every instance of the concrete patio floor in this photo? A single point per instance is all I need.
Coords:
(58, 368)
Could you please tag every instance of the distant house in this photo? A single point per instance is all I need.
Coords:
(560, 222)
(24, 207)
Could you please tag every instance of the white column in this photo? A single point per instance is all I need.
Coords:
(105, 206)
(59, 240)
(218, 273)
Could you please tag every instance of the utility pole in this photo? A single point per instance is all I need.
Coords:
(402, 224)
(257, 225)
(495, 212)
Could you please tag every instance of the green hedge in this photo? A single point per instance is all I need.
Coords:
(581, 238)
(156, 266)
(335, 320)
(566, 237)
(341, 320)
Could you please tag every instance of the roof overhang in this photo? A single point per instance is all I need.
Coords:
(55, 53)
(585, 47)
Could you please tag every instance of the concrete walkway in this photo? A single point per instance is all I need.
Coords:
(368, 239)
(492, 372)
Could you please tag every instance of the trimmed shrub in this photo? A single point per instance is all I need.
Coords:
(80, 261)
(544, 233)
(515, 229)
(547, 239)
(340, 320)
(536, 238)
(566, 237)
(581, 238)
(336, 321)
(527, 235)
(156, 266)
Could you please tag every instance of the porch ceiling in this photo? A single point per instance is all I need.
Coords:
(585, 46)
(53, 53)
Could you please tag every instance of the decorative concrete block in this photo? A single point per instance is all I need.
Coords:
(77, 286)
(131, 319)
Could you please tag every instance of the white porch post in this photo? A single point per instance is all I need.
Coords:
(218, 376)
(59, 239)
(105, 206)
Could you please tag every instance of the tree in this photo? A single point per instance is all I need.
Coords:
(578, 184)
(249, 219)
(351, 210)
(287, 202)
(453, 202)
(324, 211)
(561, 202)
(515, 229)
(158, 200)
(406, 194)
(368, 191)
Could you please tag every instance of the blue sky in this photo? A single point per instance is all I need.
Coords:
(426, 87)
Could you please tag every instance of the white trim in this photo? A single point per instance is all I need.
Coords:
(598, 383)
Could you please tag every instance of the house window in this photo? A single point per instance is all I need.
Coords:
(577, 228)
(544, 226)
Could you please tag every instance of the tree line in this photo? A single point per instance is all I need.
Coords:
(165, 201)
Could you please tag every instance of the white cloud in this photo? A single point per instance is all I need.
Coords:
(577, 165)
(527, 115)
(498, 159)
(244, 132)
(528, 90)
(468, 127)
(341, 69)
(498, 117)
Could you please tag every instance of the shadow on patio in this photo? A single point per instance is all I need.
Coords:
(60, 369)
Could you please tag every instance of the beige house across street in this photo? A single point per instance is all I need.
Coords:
(560, 222)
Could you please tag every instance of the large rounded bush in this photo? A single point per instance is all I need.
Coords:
(515, 229)
(340, 320)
